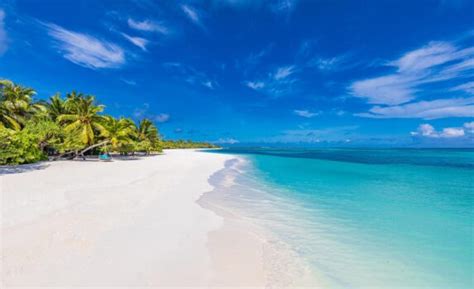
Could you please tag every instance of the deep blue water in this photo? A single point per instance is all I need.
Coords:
(367, 218)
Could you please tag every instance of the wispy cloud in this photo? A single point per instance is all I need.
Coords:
(226, 141)
(390, 89)
(162, 117)
(440, 108)
(284, 6)
(305, 113)
(209, 84)
(144, 112)
(284, 72)
(3, 33)
(435, 62)
(137, 41)
(255, 84)
(193, 14)
(191, 75)
(251, 62)
(128, 81)
(86, 50)
(336, 63)
(341, 134)
(466, 87)
(427, 130)
(325, 63)
(277, 83)
(148, 26)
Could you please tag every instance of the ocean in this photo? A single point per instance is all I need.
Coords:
(363, 218)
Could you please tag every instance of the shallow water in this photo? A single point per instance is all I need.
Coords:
(364, 218)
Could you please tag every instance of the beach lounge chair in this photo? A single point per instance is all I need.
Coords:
(105, 157)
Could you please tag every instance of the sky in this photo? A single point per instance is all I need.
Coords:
(241, 72)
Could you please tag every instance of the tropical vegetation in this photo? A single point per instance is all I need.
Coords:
(70, 127)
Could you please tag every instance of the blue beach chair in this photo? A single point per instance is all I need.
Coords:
(105, 157)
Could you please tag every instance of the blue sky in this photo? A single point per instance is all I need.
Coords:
(325, 73)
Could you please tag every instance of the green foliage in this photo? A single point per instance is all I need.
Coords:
(182, 144)
(82, 118)
(148, 137)
(17, 105)
(119, 132)
(31, 130)
(19, 147)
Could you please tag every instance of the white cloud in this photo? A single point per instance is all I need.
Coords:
(148, 25)
(450, 132)
(284, 72)
(144, 112)
(435, 53)
(255, 84)
(467, 87)
(162, 117)
(390, 89)
(192, 14)
(209, 84)
(3, 33)
(226, 141)
(277, 83)
(435, 62)
(469, 126)
(141, 112)
(86, 50)
(337, 62)
(324, 63)
(137, 41)
(427, 130)
(305, 113)
(440, 108)
(128, 81)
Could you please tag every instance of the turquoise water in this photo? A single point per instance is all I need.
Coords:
(366, 218)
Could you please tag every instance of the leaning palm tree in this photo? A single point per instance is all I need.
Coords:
(83, 120)
(118, 132)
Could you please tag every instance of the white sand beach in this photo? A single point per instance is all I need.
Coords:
(121, 223)
(125, 223)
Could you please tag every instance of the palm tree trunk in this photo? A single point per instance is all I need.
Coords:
(91, 147)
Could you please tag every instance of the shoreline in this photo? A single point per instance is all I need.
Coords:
(271, 262)
(126, 223)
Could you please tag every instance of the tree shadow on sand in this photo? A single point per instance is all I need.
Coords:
(7, 170)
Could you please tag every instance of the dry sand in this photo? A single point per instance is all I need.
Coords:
(128, 223)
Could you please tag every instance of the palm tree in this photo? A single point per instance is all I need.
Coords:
(6, 120)
(147, 130)
(148, 136)
(82, 118)
(56, 107)
(118, 132)
(17, 104)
